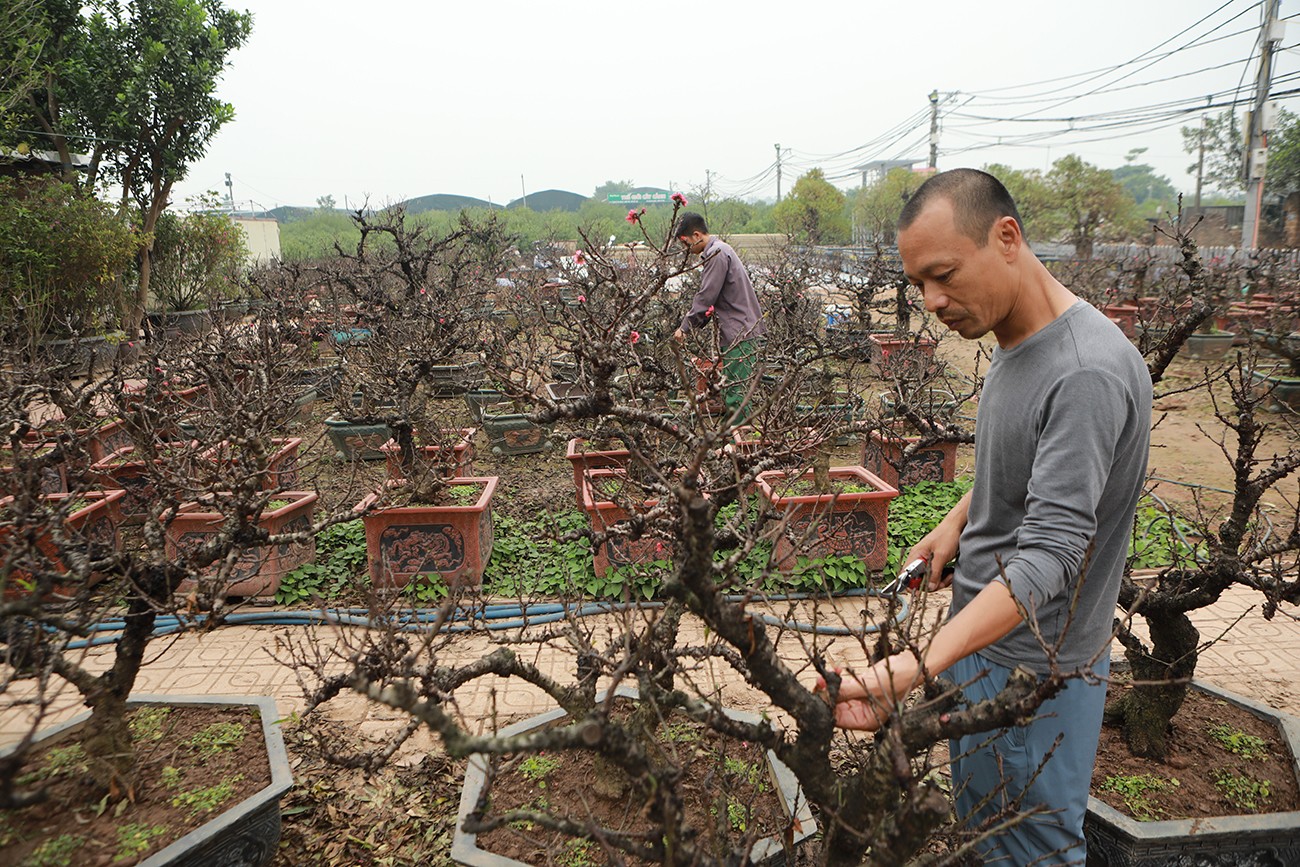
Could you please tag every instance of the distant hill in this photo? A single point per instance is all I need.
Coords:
(551, 200)
(444, 202)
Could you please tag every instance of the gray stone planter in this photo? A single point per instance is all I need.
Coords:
(1115, 840)
(247, 834)
(464, 845)
(1208, 346)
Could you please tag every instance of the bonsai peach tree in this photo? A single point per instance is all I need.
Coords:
(879, 804)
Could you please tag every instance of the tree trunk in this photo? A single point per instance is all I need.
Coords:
(1146, 711)
(110, 751)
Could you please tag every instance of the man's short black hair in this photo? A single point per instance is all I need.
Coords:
(978, 201)
(689, 223)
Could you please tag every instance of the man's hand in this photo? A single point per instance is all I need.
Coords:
(679, 336)
(939, 546)
(865, 700)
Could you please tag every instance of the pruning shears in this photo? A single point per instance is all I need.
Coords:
(910, 577)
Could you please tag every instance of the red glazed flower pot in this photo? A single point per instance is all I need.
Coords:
(825, 525)
(95, 523)
(460, 465)
(258, 570)
(882, 454)
(890, 345)
(605, 514)
(403, 542)
(584, 461)
(281, 467)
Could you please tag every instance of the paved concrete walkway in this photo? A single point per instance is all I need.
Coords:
(1257, 658)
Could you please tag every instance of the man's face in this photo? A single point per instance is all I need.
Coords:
(694, 242)
(967, 286)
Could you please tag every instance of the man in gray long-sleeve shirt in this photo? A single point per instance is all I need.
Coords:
(726, 296)
(1061, 443)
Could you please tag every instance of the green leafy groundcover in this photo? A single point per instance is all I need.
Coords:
(534, 558)
(916, 511)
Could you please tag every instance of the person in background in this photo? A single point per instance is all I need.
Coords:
(726, 296)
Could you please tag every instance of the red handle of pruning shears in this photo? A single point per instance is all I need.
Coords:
(910, 577)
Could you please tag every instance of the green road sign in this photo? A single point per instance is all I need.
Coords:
(639, 198)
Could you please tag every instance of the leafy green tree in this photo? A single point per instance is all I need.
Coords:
(197, 258)
(1153, 194)
(138, 79)
(877, 207)
(1223, 140)
(609, 188)
(1034, 199)
(1283, 175)
(24, 33)
(815, 211)
(62, 255)
(1090, 204)
(325, 203)
(160, 61)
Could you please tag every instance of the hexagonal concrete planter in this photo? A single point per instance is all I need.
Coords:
(1116, 840)
(247, 834)
(768, 850)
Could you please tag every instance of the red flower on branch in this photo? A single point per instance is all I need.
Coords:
(679, 199)
(579, 258)
(634, 337)
(582, 299)
(633, 216)
(709, 312)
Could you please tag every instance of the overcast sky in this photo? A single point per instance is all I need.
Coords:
(399, 98)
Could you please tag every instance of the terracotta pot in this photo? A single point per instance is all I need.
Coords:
(1123, 315)
(890, 345)
(404, 542)
(107, 438)
(259, 570)
(123, 470)
(459, 464)
(53, 476)
(584, 461)
(825, 525)
(605, 514)
(882, 454)
(96, 523)
(281, 466)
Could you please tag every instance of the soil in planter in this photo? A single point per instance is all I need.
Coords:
(724, 783)
(808, 488)
(1226, 762)
(192, 763)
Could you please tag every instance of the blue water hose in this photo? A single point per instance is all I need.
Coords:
(495, 616)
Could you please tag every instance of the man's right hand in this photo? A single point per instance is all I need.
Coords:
(939, 546)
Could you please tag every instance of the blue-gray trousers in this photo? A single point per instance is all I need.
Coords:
(983, 762)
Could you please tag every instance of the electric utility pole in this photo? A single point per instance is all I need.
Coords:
(934, 128)
(1200, 163)
(1259, 121)
(778, 171)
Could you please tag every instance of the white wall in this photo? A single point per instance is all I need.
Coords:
(262, 237)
